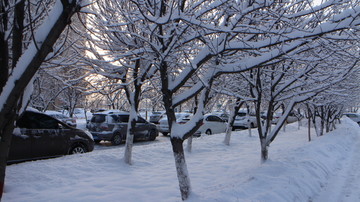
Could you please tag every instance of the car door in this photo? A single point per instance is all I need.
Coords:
(142, 128)
(47, 136)
(20, 147)
(220, 124)
(216, 124)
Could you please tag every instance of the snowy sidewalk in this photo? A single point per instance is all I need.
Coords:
(345, 185)
(327, 169)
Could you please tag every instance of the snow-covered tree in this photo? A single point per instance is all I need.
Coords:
(22, 50)
(187, 41)
(46, 91)
(121, 54)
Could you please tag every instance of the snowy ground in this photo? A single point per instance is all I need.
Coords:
(325, 169)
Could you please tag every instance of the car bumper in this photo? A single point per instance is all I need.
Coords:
(242, 125)
(163, 129)
(102, 135)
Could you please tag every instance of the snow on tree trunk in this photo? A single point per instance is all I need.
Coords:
(129, 140)
(229, 127)
(228, 135)
(236, 106)
(284, 126)
(181, 168)
(130, 130)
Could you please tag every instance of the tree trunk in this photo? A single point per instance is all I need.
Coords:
(129, 143)
(228, 136)
(284, 126)
(309, 131)
(4, 149)
(249, 129)
(128, 148)
(264, 150)
(17, 85)
(181, 168)
(321, 130)
(233, 113)
(189, 144)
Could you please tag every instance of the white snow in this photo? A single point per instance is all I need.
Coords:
(325, 169)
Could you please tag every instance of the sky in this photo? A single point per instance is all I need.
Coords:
(325, 169)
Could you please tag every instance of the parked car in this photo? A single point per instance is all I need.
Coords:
(38, 136)
(244, 120)
(62, 117)
(112, 126)
(163, 125)
(293, 117)
(212, 124)
(156, 116)
(353, 116)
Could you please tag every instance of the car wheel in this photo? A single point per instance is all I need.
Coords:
(78, 149)
(116, 139)
(208, 132)
(151, 135)
(252, 125)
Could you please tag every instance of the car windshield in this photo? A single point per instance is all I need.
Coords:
(98, 118)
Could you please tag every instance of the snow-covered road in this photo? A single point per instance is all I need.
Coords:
(345, 186)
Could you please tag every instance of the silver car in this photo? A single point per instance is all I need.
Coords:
(112, 126)
(156, 116)
(244, 121)
(163, 125)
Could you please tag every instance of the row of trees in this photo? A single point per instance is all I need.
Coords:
(283, 52)
(273, 54)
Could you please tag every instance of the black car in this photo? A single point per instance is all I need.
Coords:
(38, 136)
(112, 126)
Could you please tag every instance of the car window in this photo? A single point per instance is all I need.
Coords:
(123, 118)
(241, 114)
(98, 118)
(224, 116)
(120, 118)
(37, 121)
(213, 118)
(217, 119)
(141, 120)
